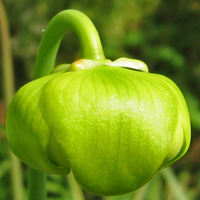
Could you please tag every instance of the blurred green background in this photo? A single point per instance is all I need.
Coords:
(165, 34)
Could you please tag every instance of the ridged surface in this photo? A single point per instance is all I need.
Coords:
(113, 127)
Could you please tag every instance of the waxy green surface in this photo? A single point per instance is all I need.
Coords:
(113, 124)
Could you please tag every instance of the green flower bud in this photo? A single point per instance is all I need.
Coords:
(112, 123)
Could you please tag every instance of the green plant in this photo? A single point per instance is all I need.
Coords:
(112, 123)
(8, 91)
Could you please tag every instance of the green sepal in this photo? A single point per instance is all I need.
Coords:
(113, 127)
(27, 132)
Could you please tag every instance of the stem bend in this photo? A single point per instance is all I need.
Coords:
(87, 34)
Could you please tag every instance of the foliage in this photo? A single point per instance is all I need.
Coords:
(164, 34)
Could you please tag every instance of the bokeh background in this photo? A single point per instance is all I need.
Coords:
(165, 34)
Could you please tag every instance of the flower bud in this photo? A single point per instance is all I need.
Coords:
(113, 127)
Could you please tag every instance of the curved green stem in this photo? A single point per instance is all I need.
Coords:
(86, 32)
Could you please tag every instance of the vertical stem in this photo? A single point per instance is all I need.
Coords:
(8, 89)
(7, 65)
(140, 194)
(173, 184)
(36, 185)
(77, 192)
(16, 177)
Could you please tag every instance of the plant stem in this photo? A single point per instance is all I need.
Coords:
(140, 194)
(77, 192)
(7, 65)
(36, 185)
(8, 91)
(90, 43)
(173, 184)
